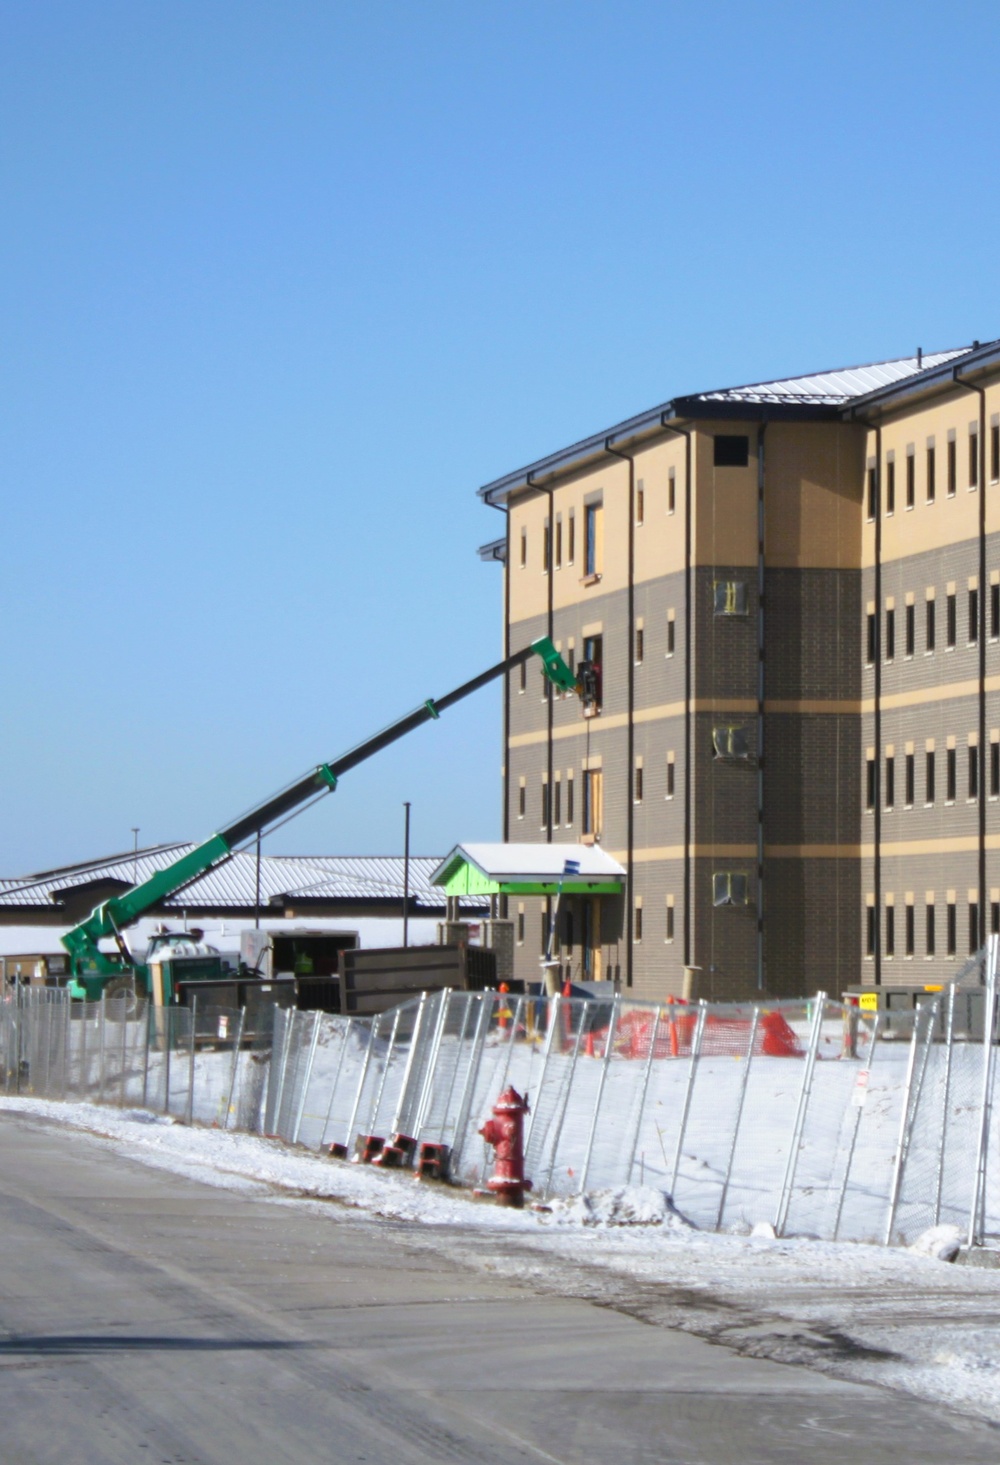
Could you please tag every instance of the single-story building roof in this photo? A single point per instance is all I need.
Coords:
(528, 869)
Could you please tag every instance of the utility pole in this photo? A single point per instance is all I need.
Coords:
(135, 854)
(256, 893)
(406, 874)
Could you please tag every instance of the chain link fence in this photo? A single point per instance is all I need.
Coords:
(806, 1116)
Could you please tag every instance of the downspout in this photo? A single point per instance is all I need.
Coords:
(550, 632)
(877, 863)
(630, 739)
(504, 509)
(981, 633)
(685, 433)
(760, 705)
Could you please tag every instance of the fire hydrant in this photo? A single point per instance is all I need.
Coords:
(505, 1131)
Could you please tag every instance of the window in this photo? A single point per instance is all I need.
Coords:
(890, 486)
(524, 548)
(890, 635)
(591, 674)
(522, 796)
(520, 925)
(995, 917)
(911, 628)
(973, 459)
(571, 538)
(640, 502)
(929, 937)
(671, 634)
(974, 772)
(593, 801)
(929, 778)
(870, 785)
(952, 468)
(910, 933)
(637, 920)
(546, 548)
(973, 616)
(731, 452)
(973, 926)
(640, 643)
(671, 772)
(911, 479)
(995, 451)
(569, 799)
(871, 932)
(523, 678)
(890, 781)
(872, 492)
(546, 804)
(951, 928)
(670, 919)
(557, 802)
(890, 930)
(995, 611)
(950, 775)
(994, 770)
(951, 622)
(728, 886)
(872, 638)
(559, 541)
(592, 539)
(568, 932)
(637, 783)
(911, 779)
(730, 596)
(929, 627)
(931, 483)
(671, 492)
(730, 742)
(545, 933)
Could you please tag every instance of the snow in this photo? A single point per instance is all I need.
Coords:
(912, 1321)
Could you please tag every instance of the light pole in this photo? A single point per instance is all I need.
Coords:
(406, 874)
(135, 854)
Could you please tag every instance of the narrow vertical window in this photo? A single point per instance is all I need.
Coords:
(911, 479)
(592, 540)
(872, 492)
(973, 616)
(995, 451)
(929, 626)
(890, 781)
(569, 800)
(951, 928)
(973, 459)
(671, 492)
(911, 629)
(974, 771)
(520, 925)
(640, 502)
(872, 638)
(546, 805)
(994, 611)
(870, 784)
(593, 799)
(546, 548)
(890, 486)
(929, 778)
(671, 769)
(522, 794)
(929, 933)
(557, 802)
(559, 538)
(890, 635)
(637, 920)
(910, 935)
(523, 679)
(872, 928)
(911, 779)
(890, 930)
(952, 467)
(571, 537)
(995, 917)
(931, 481)
(524, 548)
(994, 770)
(637, 784)
(973, 926)
(950, 775)
(671, 626)
(670, 921)
(640, 643)
(951, 621)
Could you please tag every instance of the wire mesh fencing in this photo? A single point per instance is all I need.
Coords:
(806, 1116)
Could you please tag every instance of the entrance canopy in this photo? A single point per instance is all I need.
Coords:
(528, 869)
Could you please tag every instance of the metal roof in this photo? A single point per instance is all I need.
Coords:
(232, 884)
(533, 862)
(818, 395)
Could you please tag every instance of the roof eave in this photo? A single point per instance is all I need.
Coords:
(923, 383)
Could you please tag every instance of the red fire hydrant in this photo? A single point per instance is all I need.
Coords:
(506, 1132)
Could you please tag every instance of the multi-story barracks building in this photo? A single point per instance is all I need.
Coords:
(791, 591)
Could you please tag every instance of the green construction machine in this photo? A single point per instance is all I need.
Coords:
(96, 973)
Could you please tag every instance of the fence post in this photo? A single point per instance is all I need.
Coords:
(609, 1048)
(949, 1038)
(739, 1115)
(236, 1063)
(336, 1079)
(301, 1108)
(552, 1004)
(976, 1212)
(800, 1116)
(194, 1032)
(699, 1028)
(859, 1104)
(361, 1084)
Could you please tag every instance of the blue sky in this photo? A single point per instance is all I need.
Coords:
(282, 284)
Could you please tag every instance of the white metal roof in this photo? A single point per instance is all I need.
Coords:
(533, 862)
(833, 388)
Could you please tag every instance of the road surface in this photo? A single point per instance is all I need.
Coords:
(149, 1318)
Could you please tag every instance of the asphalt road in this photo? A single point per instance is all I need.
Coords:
(147, 1318)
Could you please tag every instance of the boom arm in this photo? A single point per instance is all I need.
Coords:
(112, 916)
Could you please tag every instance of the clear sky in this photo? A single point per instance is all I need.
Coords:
(283, 283)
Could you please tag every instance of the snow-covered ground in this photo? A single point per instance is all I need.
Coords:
(896, 1317)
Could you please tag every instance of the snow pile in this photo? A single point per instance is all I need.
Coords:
(628, 1205)
(941, 1243)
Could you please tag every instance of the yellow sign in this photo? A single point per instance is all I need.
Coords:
(868, 1002)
